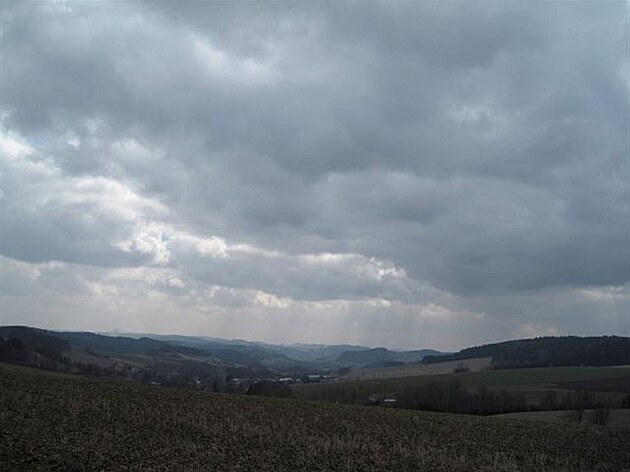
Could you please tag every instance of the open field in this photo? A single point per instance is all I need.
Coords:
(52, 422)
(537, 377)
(414, 370)
(619, 418)
(532, 382)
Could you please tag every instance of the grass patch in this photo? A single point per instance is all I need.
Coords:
(530, 380)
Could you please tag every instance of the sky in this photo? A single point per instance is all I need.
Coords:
(401, 174)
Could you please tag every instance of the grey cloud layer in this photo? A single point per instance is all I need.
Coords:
(476, 150)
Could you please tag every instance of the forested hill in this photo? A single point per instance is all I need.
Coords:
(548, 351)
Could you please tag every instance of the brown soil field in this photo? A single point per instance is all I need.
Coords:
(619, 418)
(53, 422)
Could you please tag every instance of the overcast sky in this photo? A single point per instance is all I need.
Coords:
(417, 174)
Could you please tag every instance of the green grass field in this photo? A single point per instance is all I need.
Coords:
(532, 381)
(53, 422)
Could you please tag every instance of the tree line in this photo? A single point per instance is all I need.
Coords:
(548, 351)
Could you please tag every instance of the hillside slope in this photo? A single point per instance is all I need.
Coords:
(548, 351)
(56, 422)
(239, 358)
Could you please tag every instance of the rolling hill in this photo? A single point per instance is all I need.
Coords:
(179, 360)
(548, 351)
(59, 422)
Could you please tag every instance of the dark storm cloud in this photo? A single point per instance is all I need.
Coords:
(477, 149)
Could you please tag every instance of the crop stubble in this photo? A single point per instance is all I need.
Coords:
(52, 422)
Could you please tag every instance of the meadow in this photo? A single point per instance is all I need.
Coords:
(531, 382)
(417, 369)
(57, 422)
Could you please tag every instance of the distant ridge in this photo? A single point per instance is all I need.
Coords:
(383, 356)
(548, 351)
(145, 354)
